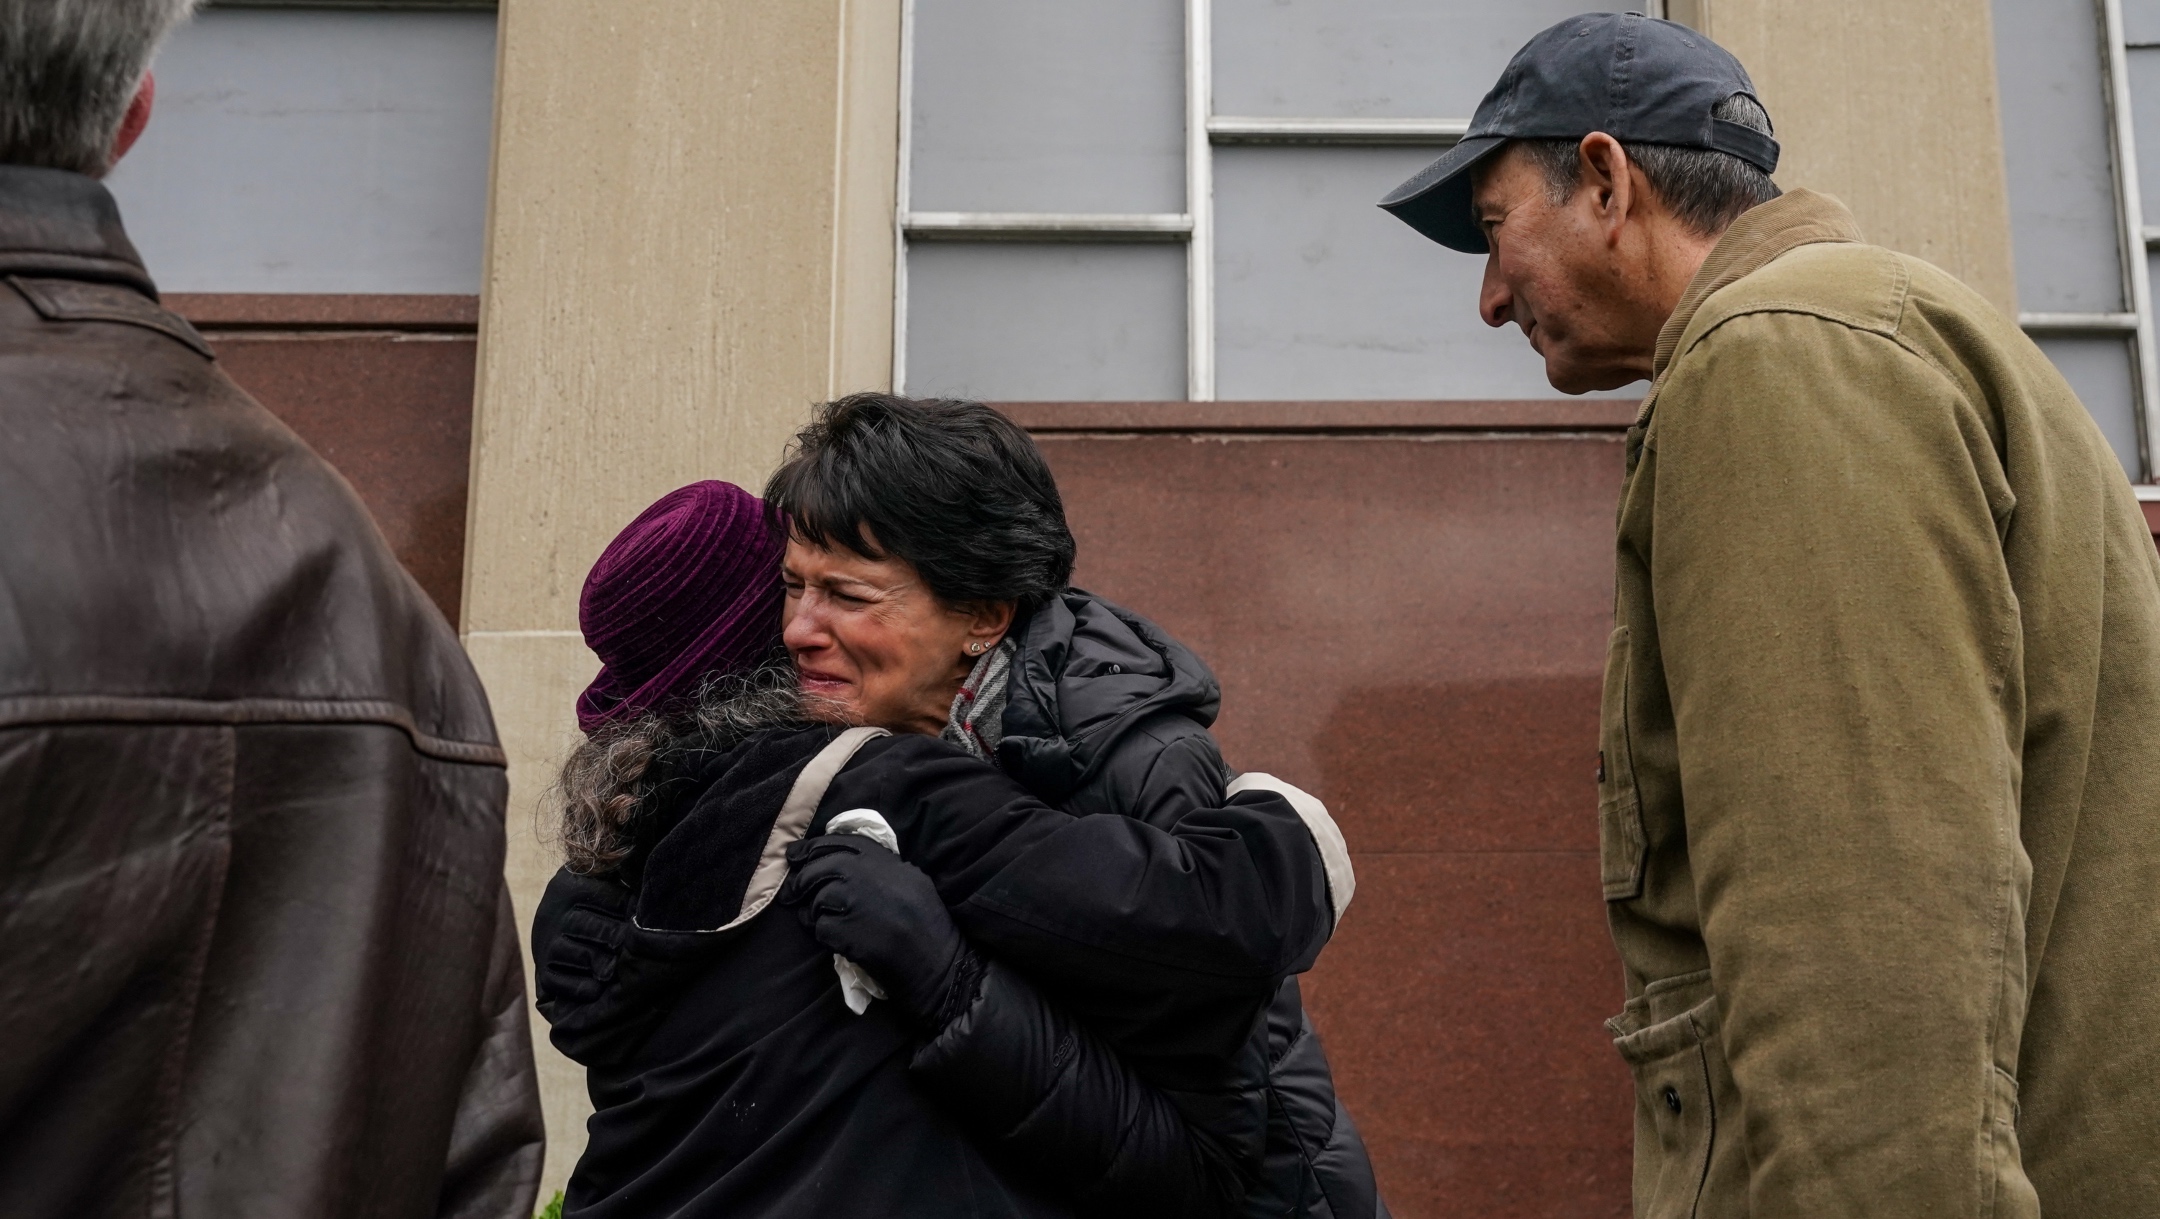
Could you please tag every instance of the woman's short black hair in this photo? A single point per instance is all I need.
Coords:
(953, 488)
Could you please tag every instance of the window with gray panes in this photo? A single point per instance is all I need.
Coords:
(1032, 108)
(2141, 30)
(310, 148)
(1075, 229)
(2078, 227)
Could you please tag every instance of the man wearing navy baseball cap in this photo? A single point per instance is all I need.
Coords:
(1878, 815)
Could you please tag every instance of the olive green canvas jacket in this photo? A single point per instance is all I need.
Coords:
(1880, 777)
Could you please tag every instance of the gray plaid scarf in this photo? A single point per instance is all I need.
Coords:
(977, 722)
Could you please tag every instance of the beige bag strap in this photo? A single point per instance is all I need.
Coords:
(796, 813)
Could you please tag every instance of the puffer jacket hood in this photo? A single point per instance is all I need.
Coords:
(1087, 674)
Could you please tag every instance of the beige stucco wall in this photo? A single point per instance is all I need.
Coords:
(1890, 107)
(690, 243)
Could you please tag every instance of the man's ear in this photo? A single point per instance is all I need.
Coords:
(1606, 171)
(132, 124)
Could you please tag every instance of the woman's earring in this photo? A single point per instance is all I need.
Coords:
(975, 649)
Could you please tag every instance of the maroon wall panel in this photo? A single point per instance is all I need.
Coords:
(394, 414)
(1413, 626)
(382, 387)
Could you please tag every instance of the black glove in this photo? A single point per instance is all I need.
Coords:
(879, 911)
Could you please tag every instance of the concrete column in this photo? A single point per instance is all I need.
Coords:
(690, 242)
(1890, 107)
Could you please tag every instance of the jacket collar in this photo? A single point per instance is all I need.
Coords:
(1087, 674)
(62, 225)
(1762, 233)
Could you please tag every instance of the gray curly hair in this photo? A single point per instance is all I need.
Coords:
(68, 69)
(606, 780)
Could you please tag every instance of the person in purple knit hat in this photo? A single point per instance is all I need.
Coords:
(729, 1072)
(690, 588)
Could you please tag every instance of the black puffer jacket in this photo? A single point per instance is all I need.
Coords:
(1109, 714)
(728, 1078)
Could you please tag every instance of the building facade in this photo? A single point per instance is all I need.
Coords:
(519, 270)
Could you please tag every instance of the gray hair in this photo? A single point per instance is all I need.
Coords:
(609, 779)
(68, 69)
(1706, 189)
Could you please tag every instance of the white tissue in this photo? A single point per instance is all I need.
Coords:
(856, 987)
(867, 823)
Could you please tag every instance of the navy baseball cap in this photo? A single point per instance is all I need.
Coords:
(1635, 78)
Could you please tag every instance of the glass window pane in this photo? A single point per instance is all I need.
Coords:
(1010, 322)
(1049, 106)
(2141, 22)
(1320, 294)
(316, 151)
(2098, 368)
(2145, 115)
(2055, 151)
(1369, 58)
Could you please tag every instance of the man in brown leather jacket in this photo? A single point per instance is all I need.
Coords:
(256, 954)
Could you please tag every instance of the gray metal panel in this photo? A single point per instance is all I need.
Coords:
(2099, 370)
(2141, 21)
(1320, 294)
(1342, 58)
(2055, 151)
(1049, 106)
(316, 151)
(2145, 111)
(1016, 322)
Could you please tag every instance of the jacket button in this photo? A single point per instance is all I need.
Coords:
(1672, 1098)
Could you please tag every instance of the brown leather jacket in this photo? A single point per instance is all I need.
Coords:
(256, 954)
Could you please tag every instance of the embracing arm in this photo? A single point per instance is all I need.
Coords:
(1025, 1079)
(1234, 896)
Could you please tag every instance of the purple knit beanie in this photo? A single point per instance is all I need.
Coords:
(690, 588)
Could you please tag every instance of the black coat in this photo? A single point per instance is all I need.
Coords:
(728, 1078)
(1109, 714)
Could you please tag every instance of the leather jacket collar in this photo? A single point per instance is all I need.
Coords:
(62, 225)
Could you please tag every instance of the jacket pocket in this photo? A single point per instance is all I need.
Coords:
(1677, 1063)
(1620, 827)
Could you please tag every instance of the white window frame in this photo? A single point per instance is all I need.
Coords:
(1204, 131)
(2133, 239)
